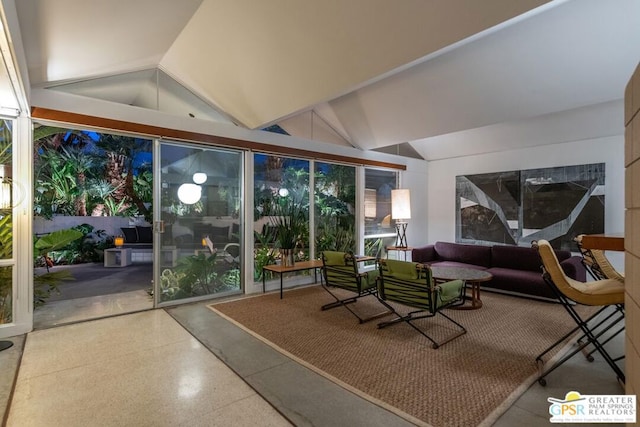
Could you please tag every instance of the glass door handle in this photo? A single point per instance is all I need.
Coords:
(159, 226)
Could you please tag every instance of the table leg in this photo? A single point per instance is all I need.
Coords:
(264, 288)
(475, 297)
(281, 274)
(476, 302)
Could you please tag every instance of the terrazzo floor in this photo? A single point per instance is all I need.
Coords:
(187, 366)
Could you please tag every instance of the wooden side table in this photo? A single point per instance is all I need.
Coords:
(404, 249)
(470, 276)
(314, 265)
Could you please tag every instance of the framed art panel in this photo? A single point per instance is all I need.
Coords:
(516, 207)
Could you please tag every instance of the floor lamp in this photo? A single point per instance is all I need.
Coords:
(401, 212)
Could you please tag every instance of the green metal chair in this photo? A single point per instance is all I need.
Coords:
(411, 284)
(340, 270)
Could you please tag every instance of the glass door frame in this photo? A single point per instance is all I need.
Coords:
(159, 226)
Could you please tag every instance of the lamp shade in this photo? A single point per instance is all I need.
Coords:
(118, 241)
(400, 204)
(189, 193)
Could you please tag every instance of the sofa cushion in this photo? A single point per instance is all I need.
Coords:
(467, 254)
(520, 257)
(519, 281)
(424, 254)
(455, 264)
(219, 234)
(515, 257)
(130, 234)
(145, 234)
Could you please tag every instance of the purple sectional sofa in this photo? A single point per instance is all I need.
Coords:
(515, 269)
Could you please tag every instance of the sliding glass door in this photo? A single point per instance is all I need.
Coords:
(198, 251)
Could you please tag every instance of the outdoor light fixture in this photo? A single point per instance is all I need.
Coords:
(118, 241)
(199, 177)
(401, 212)
(189, 193)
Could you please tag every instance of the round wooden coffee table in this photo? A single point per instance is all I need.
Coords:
(469, 276)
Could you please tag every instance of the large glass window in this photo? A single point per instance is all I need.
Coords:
(281, 187)
(6, 223)
(335, 201)
(379, 228)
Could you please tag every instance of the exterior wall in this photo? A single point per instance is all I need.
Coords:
(632, 233)
(442, 173)
(110, 224)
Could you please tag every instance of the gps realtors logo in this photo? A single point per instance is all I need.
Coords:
(606, 408)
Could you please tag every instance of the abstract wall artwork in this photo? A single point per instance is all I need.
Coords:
(516, 207)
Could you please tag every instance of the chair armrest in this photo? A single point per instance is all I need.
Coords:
(451, 288)
(424, 254)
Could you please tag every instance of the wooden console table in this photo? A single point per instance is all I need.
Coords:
(604, 242)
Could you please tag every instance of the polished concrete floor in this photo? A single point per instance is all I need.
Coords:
(187, 366)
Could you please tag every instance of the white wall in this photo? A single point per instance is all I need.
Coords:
(442, 175)
(415, 179)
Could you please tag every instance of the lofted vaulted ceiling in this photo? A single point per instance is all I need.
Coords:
(411, 76)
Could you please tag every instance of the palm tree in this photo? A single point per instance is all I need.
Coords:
(81, 163)
(119, 169)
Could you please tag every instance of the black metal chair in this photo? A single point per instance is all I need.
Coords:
(340, 270)
(605, 293)
(411, 284)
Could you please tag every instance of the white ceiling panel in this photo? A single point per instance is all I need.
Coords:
(263, 61)
(567, 57)
(76, 39)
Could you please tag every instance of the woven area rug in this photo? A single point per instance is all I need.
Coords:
(467, 382)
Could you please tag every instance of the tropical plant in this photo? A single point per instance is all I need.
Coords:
(46, 284)
(89, 248)
(229, 281)
(81, 163)
(290, 221)
(6, 232)
(199, 273)
(85, 173)
(374, 247)
(122, 151)
(170, 285)
(6, 276)
(263, 255)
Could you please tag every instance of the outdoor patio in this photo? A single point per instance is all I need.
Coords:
(96, 292)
